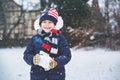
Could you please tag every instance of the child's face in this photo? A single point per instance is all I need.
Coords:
(47, 25)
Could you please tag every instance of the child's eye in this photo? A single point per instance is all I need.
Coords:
(50, 21)
(44, 21)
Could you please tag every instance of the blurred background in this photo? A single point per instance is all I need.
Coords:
(87, 23)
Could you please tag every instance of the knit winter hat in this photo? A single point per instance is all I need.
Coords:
(51, 15)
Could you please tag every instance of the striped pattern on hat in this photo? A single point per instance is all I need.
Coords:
(53, 12)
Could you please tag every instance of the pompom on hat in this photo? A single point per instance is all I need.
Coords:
(51, 14)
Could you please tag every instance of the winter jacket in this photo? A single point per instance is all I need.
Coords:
(62, 57)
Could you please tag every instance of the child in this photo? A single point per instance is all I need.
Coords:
(47, 52)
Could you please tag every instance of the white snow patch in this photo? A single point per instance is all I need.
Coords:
(97, 64)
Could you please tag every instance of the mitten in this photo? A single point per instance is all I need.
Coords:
(53, 64)
(36, 59)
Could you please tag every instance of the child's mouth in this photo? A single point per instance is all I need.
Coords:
(47, 27)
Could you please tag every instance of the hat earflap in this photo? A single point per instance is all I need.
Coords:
(59, 24)
(36, 24)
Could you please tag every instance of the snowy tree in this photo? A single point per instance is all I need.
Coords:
(112, 9)
(112, 16)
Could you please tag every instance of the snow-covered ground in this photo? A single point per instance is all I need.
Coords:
(96, 64)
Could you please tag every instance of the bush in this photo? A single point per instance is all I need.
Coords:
(14, 42)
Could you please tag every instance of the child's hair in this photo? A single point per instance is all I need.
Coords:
(50, 14)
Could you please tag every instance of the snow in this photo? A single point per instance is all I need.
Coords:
(101, 2)
(95, 64)
(29, 4)
(12, 65)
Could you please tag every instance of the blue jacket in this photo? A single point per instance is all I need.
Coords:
(62, 57)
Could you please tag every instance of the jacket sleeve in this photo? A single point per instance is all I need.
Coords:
(29, 53)
(65, 53)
